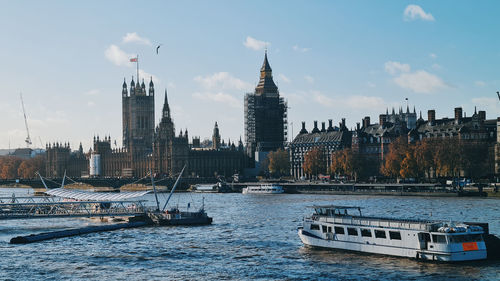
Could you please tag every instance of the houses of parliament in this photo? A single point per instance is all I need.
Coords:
(146, 147)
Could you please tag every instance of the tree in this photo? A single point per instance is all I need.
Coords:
(409, 167)
(29, 167)
(314, 162)
(9, 166)
(392, 162)
(346, 162)
(279, 162)
(424, 157)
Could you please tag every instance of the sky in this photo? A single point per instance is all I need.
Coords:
(330, 60)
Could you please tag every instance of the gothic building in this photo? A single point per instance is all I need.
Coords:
(146, 147)
(265, 115)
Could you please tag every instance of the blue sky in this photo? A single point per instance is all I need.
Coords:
(330, 59)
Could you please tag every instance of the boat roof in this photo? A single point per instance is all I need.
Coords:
(97, 196)
(335, 207)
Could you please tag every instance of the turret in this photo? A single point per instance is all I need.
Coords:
(151, 87)
(124, 88)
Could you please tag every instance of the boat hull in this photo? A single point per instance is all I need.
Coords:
(315, 241)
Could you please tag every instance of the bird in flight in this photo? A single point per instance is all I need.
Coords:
(157, 48)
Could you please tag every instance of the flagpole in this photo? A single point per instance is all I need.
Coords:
(137, 63)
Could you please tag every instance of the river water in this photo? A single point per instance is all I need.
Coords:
(253, 237)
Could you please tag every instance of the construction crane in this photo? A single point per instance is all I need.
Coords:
(28, 139)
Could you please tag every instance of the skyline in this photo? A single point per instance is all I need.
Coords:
(329, 60)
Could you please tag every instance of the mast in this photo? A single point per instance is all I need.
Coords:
(173, 188)
(154, 189)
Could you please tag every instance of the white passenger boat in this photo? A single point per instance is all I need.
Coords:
(334, 227)
(263, 189)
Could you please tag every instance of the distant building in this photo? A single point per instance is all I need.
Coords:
(265, 116)
(147, 148)
(327, 139)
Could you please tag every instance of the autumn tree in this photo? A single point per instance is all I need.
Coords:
(29, 167)
(9, 166)
(424, 157)
(279, 162)
(409, 167)
(346, 162)
(447, 157)
(314, 162)
(392, 162)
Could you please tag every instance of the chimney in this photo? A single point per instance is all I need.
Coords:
(381, 119)
(343, 122)
(315, 129)
(303, 130)
(357, 126)
(330, 125)
(482, 115)
(366, 122)
(323, 127)
(431, 116)
(458, 115)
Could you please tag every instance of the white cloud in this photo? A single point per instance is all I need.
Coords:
(90, 103)
(117, 56)
(309, 79)
(432, 56)
(414, 12)
(133, 37)
(255, 44)
(420, 82)
(147, 77)
(393, 67)
(92, 92)
(300, 49)
(220, 98)
(490, 105)
(222, 80)
(356, 102)
(283, 78)
(480, 83)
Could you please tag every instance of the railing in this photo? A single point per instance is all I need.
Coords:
(31, 210)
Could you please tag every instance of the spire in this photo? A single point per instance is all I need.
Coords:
(124, 85)
(266, 84)
(415, 112)
(475, 110)
(166, 108)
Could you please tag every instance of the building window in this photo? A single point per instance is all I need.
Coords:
(352, 231)
(394, 235)
(339, 230)
(366, 232)
(379, 233)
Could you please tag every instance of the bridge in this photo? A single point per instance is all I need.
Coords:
(12, 208)
(115, 183)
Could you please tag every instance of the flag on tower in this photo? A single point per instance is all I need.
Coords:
(133, 60)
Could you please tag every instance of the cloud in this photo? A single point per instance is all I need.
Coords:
(133, 37)
(393, 67)
(420, 82)
(432, 56)
(300, 49)
(357, 102)
(480, 83)
(371, 85)
(222, 80)
(414, 12)
(117, 56)
(147, 76)
(309, 79)
(219, 98)
(90, 103)
(92, 92)
(489, 104)
(283, 78)
(255, 44)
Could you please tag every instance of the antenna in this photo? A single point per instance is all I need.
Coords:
(28, 139)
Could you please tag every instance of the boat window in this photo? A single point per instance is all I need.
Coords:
(379, 233)
(324, 228)
(330, 229)
(436, 238)
(395, 235)
(352, 231)
(339, 230)
(314, 227)
(465, 238)
(366, 232)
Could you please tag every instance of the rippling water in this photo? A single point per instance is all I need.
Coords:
(252, 237)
